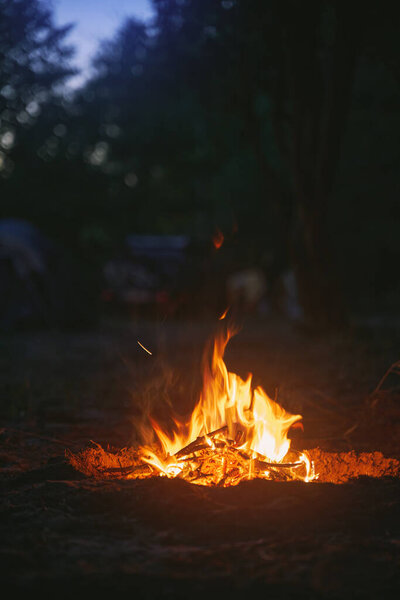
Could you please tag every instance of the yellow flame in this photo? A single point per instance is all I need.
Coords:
(310, 473)
(227, 401)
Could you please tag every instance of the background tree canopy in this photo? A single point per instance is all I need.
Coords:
(278, 120)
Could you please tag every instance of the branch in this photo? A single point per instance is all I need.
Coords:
(200, 443)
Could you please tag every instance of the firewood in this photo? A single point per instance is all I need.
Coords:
(261, 462)
(200, 441)
(127, 470)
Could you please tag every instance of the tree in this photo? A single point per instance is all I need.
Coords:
(285, 69)
(34, 63)
(215, 109)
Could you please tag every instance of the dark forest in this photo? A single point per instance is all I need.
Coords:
(274, 123)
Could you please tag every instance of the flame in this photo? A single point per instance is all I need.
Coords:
(218, 239)
(257, 424)
(221, 317)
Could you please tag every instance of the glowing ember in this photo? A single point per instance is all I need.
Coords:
(235, 432)
(218, 239)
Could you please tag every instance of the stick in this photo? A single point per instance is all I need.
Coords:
(127, 470)
(261, 463)
(224, 466)
(392, 369)
(200, 443)
(192, 448)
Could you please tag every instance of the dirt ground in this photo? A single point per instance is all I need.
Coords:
(64, 533)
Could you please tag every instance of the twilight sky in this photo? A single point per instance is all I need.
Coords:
(95, 20)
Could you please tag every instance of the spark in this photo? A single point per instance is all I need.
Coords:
(223, 314)
(145, 349)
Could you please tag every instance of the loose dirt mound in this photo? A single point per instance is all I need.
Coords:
(340, 467)
(331, 467)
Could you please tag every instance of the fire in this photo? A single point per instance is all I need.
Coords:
(222, 317)
(218, 239)
(232, 425)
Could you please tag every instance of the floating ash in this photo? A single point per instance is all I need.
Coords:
(235, 432)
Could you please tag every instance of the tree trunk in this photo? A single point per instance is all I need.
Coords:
(319, 106)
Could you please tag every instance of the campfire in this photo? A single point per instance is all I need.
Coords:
(235, 432)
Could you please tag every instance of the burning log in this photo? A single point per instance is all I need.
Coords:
(199, 443)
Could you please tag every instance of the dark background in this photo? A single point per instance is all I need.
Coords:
(275, 123)
(240, 153)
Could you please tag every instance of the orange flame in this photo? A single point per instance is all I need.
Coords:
(227, 401)
(222, 317)
(218, 239)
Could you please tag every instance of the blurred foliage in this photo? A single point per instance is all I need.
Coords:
(184, 126)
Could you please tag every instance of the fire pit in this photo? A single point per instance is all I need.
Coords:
(235, 432)
(129, 526)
